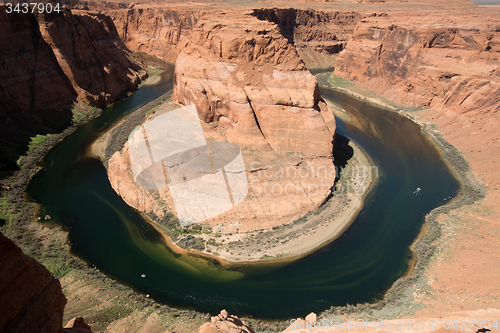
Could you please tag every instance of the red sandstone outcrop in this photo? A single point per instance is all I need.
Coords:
(250, 79)
(77, 325)
(92, 56)
(154, 29)
(439, 62)
(225, 323)
(31, 300)
(164, 29)
(50, 60)
(250, 88)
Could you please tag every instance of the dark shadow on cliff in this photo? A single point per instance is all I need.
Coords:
(342, 152)
(285, 18)
(35, 95)
(18, 131)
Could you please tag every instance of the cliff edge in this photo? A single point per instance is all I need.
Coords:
(31, 298)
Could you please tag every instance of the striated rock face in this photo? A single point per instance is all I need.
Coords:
(164, 29)
(155, 30)
(31, 300)
(225, 323)
(92, 56)
(249, 78)
(50, 60)
(317, 35)
(31, 80)
(431, 63)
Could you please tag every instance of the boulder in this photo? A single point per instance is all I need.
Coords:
(225, 323)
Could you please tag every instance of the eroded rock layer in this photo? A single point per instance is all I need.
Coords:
(319, 36)
(250, 79)
(164, 29)
(442, 62)
(154, 29)
(50, 60)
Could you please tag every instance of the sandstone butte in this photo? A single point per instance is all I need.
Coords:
(441, 54)
(245, 78)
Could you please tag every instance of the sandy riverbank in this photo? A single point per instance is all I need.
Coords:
(316, 229)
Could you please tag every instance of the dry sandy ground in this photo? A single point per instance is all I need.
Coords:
(467, 276)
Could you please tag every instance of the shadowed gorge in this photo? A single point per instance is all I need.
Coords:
(50, 63)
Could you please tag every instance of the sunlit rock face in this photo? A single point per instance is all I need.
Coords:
(250, 88)
(250, 79)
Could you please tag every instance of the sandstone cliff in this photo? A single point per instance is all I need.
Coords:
(451, 63)
(51, 61)
(250, 79)
(31, 80)
(31, 300)
(163, 29)
(92, 56)
(317, 35)
(159, 30)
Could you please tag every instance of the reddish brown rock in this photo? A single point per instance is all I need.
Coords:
(317, 35)
(31, 299)
(91, 55)
(155, 29)
(225, 323)
(439, 61)
(31, 81)
(248, 77)
(50, 60)
(77, 325)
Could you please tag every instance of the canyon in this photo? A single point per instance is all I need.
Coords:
(439, 64)
(52, 62)
(251, 88)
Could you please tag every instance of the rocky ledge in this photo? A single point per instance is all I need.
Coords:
(244, 74)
